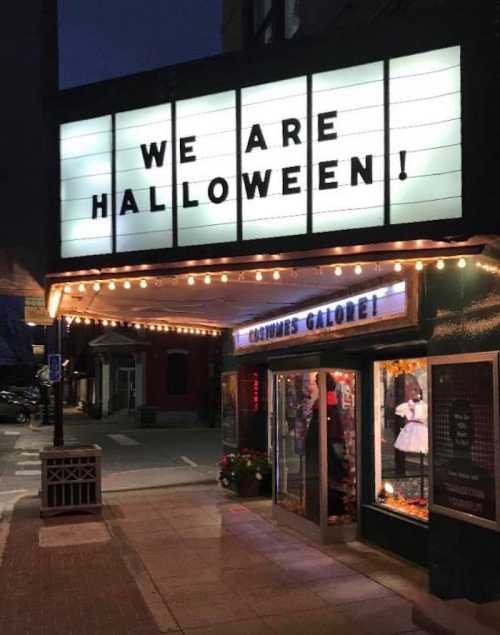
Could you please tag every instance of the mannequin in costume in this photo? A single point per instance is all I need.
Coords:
(414, 436)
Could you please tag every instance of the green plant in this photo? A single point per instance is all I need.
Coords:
(243, 466)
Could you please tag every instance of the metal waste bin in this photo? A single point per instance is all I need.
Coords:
(71, 479)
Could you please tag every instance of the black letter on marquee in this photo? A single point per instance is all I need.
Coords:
(256, 139)
(224, 192)
(320, 322)
(291, 129)
(185, 196)
(350, 311)
(339, 314)
(128, 203)
(326, 173)
(99, 205)
(364, 171)
(374, 304)
(325, 127)
(153, 154)
(257, 183)
(289, 181)
(310, 321)
(295, 325)
(185, 149)
(154, 206)
(363, 308)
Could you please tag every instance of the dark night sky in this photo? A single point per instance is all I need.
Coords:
(99, 39)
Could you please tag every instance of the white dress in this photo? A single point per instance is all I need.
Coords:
(414, 437)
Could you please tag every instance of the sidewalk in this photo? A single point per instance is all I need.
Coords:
(192, 560)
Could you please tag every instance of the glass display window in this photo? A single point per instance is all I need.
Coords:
(402, 436)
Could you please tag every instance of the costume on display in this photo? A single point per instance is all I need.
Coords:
(414, 437)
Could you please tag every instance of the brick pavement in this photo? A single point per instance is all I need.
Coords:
(196, 561)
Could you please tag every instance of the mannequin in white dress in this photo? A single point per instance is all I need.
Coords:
(414, 437)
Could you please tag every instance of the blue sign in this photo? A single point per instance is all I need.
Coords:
(54, 367)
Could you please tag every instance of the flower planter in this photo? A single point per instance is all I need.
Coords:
(247, 488)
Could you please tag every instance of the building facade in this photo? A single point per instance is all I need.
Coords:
(324, 212)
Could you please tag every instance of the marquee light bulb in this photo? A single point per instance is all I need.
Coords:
(112, 285)
(207, 279)
(191, 280)
(419, 265)
(68, 319)
(137, 326)
(259, 276)
(87, 321)
(78, 320)
(81, 287)
(152, 327)
(276, 275)
(143, 284)
(358, 270)
(113, 324)
(398, 267)
(96, 286)
(338, 271)
(224, 278)
(440, 264)
(127, 284)
(105, 323)
(462, 263)
(67, 288)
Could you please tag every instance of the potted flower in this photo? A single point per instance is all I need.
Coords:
(244, 471)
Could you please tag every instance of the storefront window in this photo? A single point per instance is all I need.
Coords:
(401, 436)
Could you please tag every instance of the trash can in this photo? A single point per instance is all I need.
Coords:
(71, 479)
(146, 416)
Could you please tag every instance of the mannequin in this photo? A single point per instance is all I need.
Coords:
(414, 437)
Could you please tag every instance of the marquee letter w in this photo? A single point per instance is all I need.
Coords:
(152, 153)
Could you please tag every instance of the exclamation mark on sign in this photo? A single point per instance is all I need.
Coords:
(402, 158)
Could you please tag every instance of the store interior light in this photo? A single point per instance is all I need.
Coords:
(31, 323)
(388, 489)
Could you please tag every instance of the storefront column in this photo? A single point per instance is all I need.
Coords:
(105, 384)
(140, 379)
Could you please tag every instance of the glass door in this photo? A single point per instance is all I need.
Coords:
(297, 469)
(315, 446)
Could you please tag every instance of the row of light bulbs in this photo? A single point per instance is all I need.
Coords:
(159, 328)
(337, 269)
(208, 278)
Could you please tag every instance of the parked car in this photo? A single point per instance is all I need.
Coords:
(15, 408)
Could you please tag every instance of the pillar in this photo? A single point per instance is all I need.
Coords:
(105, 385)
(140, 379)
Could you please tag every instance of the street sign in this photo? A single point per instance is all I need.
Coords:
(54, 367)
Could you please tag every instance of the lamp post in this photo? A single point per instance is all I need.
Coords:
(58, 391)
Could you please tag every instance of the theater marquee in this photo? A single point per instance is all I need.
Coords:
(347, 149)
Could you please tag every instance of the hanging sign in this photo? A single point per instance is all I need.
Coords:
(337, 146)
(379, 304)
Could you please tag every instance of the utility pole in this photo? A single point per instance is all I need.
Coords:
(58, 391)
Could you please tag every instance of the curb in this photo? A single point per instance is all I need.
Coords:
(165, 486)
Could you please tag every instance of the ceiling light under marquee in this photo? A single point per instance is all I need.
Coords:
(398, 267)
(338, 271)
(224, 278)
(276, 275)
(259, 276)
(143, 284)
(96, 286)
(207, 279)
(462, 263)
(358, 270)
(112, 285)
(67, 288)
(191, 280)
(127, 284)
(440, 264)
(81, 287)
(419, 265)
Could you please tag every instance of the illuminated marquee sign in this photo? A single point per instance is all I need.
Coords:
(334, 148)
(382, 303)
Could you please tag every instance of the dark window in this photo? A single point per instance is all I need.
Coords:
(177, 373)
